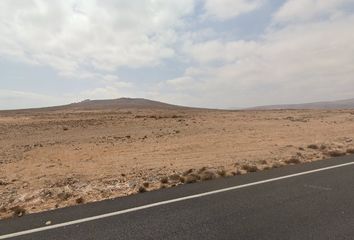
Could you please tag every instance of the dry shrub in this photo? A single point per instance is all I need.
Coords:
(336, 153)
(189, 171)
(313, 146)
(293, 160)
(250, 168)
(202, 170)
(191, 178)
(64, 196)
(3, 209)
(263, 162)
(146, 184)
(350, 150)
(207, 175)
(277, 165)
(221, 173)
(80, 200)
(18, 211)
(164, 180)
(175, 177)
(323, 147)
(3, 182)
(141, 189)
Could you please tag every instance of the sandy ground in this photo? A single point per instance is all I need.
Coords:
(54, 159)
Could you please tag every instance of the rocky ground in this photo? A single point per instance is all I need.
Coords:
(53, 159)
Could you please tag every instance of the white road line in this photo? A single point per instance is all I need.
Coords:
(166, 202)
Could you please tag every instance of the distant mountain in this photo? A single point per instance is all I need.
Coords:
(109, 104)
(120, 103)
(341, 104)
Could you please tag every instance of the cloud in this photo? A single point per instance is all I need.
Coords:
(306, 52)
(217, 50)
(11, 99)
(111, 88)
(77, 36)
(295, 63)
(305, 10)
(227, 9)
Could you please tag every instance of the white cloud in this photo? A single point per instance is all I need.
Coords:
(306, 53)
(218, 50)
(12, 99)
(110, 90)
(296, 63)
(304, 10)
(227, 9)
(75, 36)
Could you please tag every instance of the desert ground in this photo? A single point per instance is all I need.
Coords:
(52, 159)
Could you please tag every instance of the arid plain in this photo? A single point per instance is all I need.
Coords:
(55, 158)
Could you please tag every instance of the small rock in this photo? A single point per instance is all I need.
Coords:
(48, 222)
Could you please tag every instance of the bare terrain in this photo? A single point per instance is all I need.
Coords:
(56, 157)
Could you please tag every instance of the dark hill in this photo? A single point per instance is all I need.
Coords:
(109, 104)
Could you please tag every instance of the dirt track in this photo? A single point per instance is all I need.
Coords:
(60, 158)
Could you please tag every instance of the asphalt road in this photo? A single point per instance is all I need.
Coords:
(309, 201)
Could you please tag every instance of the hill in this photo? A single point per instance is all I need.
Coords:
(121, 103)
(341, 104)
(107, 104)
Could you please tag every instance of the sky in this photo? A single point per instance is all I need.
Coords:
(202, 53)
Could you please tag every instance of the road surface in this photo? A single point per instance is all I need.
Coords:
(309, 201)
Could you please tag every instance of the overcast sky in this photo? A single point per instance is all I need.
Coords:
(207, 53)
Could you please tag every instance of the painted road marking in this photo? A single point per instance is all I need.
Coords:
(88, 219)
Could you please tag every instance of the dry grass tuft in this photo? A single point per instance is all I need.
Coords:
(293, 160)
(277, 165)
(263, 162)
(175, 177)
(323, 147)
(250, 168)
(191, 178)
(336, 153)
(189, 171)
(63, 196)
(207, 175)
(221, 173)
(202, 170)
